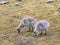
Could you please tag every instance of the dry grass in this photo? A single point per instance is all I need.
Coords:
(38, 9)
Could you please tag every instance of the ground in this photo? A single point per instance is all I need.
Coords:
(11, 15)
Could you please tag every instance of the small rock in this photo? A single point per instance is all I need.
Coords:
(48, 1)
(19, 0)
(11, 7)
(4, 2)
(19, 44)
(16, 3)
(21, 37)
(24, 37)
(5, 14)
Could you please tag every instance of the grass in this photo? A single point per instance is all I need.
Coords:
(34, 8)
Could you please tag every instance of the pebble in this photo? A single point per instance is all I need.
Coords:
(19, 44)
(24, 37)
(48, 1)
(16, 4)
(5, 14)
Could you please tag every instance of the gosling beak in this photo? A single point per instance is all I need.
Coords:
(35, 34)
(18, 31)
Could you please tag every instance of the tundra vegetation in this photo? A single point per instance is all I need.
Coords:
(38, 9)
